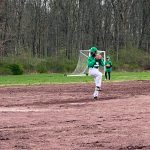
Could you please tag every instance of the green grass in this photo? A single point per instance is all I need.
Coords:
(127, 76)
(61, 79)
(41, 79)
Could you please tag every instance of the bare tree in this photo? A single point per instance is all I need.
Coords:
(53, 27)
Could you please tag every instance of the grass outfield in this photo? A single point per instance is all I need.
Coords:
(61, 79)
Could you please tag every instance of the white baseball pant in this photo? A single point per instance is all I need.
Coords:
(97, 75)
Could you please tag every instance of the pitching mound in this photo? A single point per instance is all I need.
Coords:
(65, 117)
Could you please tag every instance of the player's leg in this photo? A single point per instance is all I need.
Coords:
(92, 72)
(105, 75)
(109, 75)
(98, 80)
(96, 74)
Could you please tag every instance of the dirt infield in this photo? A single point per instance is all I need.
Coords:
(65, 117)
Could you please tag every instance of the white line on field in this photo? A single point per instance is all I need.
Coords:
(27, 128)
(4, 109)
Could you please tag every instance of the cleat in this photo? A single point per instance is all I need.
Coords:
(95, 97)
(98, 89)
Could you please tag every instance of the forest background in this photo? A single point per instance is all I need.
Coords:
(47, 35)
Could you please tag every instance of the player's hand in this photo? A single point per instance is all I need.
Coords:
(107, 66)
(98, 57)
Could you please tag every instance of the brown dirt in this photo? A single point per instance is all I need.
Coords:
(65, 117)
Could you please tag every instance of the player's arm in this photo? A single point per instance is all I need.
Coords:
(110, 64)
(101, 62)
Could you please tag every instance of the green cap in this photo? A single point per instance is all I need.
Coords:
(108, 57)
(93, 49)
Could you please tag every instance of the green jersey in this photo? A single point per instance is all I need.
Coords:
(93, 63)
(108, 65)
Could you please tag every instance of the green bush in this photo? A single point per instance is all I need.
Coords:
(28, 67)
(59, 65)
(130, 59)
(41, 68)
(5, 71)
(16, 69)
(41, 65)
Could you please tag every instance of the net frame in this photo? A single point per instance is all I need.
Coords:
(84, 72)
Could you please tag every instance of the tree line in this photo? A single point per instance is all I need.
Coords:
(46, 28)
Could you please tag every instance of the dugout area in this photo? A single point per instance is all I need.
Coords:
(64, 117)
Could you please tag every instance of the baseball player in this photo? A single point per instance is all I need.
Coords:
(108, 68)
(94, 61)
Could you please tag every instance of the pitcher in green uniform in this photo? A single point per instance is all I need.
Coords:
(94, 61)
(108, 68)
